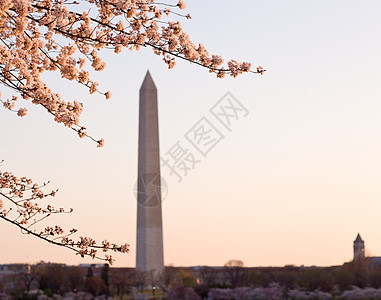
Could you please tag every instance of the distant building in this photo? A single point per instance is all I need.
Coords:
(359, 252)
(91, 265)
(358, 248)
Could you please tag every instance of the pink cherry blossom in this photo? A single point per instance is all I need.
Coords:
(19, 205)
(30, 30)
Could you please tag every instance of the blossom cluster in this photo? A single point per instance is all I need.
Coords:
(273, 291)
(61, 35)
(365, 293)
(21, 204)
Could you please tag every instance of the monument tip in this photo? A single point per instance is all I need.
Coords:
(148, 82)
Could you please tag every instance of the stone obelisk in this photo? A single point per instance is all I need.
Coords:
(149, 235)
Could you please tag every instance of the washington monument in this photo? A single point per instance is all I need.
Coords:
(149, 235)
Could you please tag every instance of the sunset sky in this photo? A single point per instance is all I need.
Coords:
(293, 182)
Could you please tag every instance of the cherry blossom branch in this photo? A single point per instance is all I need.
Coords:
(28, 29)
(27, 213)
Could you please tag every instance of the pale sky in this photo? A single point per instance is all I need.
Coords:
(292, 183)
